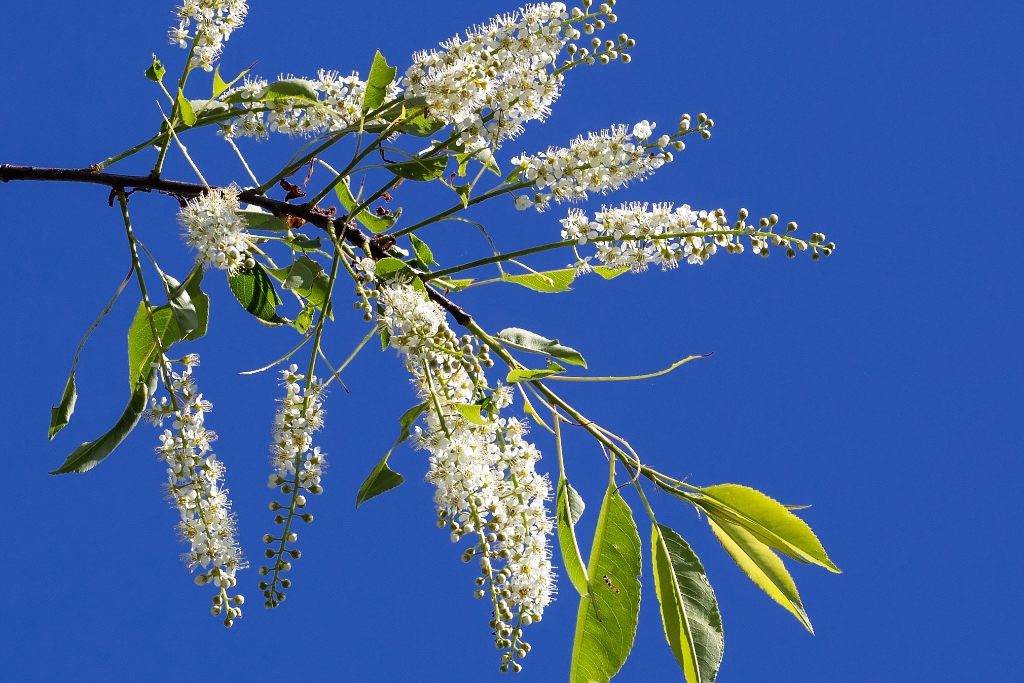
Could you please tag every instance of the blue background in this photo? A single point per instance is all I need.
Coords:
(881, 385)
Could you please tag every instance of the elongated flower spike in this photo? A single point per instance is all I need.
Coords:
(488, 491)
(634, 236)
(194, 476)
(298, 468)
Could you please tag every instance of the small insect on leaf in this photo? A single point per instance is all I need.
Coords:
(610, 585)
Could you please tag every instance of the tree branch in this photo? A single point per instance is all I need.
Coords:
(176, 187)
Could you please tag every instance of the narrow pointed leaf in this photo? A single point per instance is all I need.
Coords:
(383, 478)
(375, 224)
(381, 76)
(185, 315)
(201, 302)
(515, 376)
(550, 282)
(471, 412)
(388, 266)
(762, 565)
(185, 110)
(603, 643)
(142, 347)
(768, 520)
(524, 340)
(61, 415)
(609, 273)
(255, 291)
(256, 219)
(420, 169)
(288, 88)
(689, 610)
(569, 508)
(422, 251)
(91, 453)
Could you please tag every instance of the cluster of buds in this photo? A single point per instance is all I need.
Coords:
(216, 230)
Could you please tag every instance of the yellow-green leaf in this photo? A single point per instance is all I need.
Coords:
(569, 509)
(603, 643)
(550, 282)
(768, 520)
(762, 565)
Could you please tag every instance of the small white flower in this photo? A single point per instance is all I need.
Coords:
(643, 130)
(213, 226)
(523, 202)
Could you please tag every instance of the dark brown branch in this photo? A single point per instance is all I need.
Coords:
(178, 188)
(375, 246)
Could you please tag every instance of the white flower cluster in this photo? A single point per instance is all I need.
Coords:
(301, 413)
(506, 66)
(194, 475)
(339, 105)
(487, 487)
(212, 225)
(215, 20)
(602, 162)
(631, 236)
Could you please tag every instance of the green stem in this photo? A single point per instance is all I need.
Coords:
(501, 189)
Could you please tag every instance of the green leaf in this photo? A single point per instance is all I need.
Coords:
(156, 71)
(185, 315)
(425, 169)
(188, 114)
(61, 415)
(452, 285)
(569, 509)
(219, 85)
(463, 192)
(383, 478)
(463, 160)
(201, 301)
(515, 376)
(375, 224)
(603, 643)
(689, 610)
(388, 266)
(381, 76)
(256, 219)
(288, 88)
(385, 339)
(609, 273)
(550, 282)
(422, 251)
(301, 242)
(304, 319)
(420, 126)
(472, 413)
(142, 347)
(298, 276)
(311, 287)
(762, 565)
(89, 454)
(768, 520)
(255, 291)
(524, 340)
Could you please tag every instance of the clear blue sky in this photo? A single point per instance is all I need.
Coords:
(881, 385)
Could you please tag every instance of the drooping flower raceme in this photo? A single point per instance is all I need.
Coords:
(194, 476)
(298, 467)
(214, 22)
(213, 226)
(273, 107)
(633, 236)
(601, 162)
(483, 468)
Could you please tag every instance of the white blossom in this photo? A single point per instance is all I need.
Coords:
(338, 105)
(300, 414)
(214, 22)
(194, 477)
(212, 225)
(502, 75)
(601, 162)
(483, 468)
